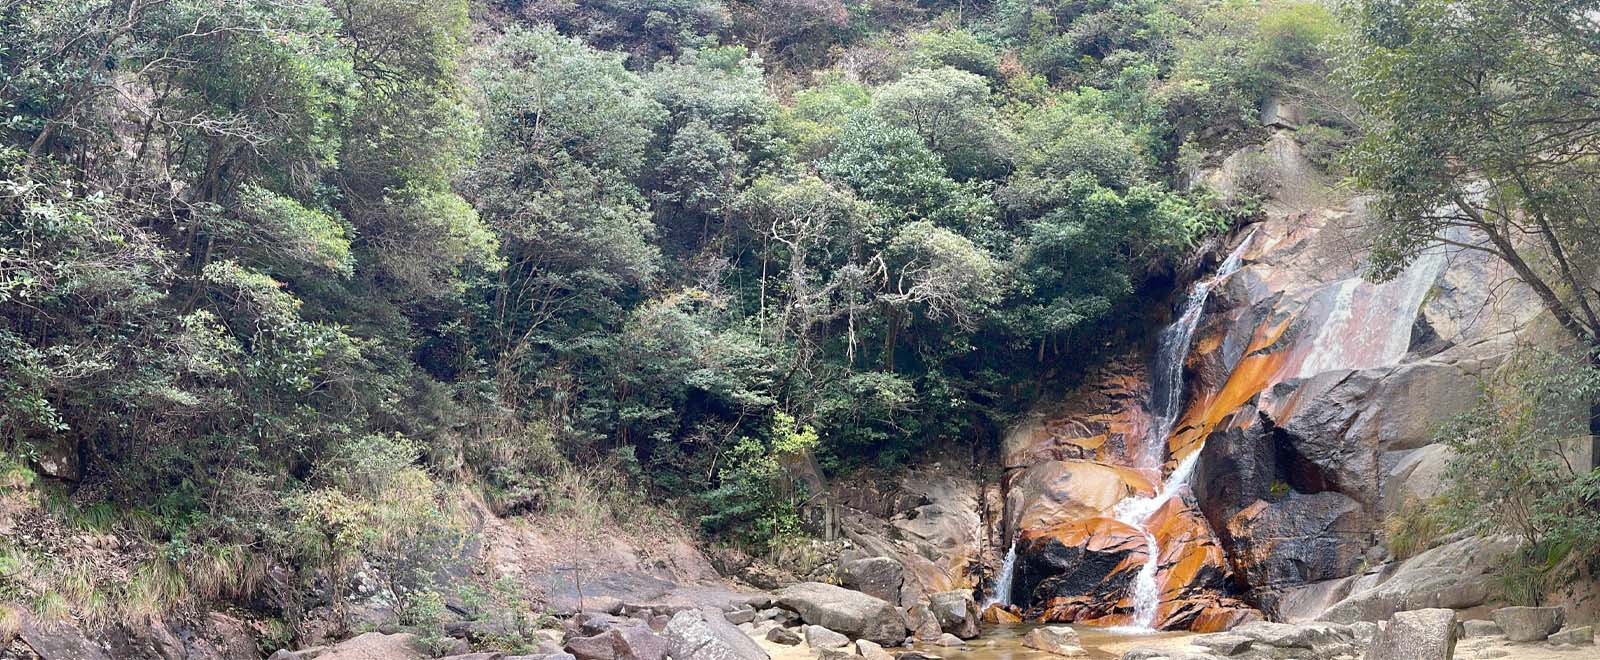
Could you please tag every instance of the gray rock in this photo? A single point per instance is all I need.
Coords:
(871, 650)
(1529, 624)
(948, 639)
(956, 611)
(1481, 628)
(916, 655)
(593, 647)
(874, 576)
(60, 640)
(481, 655)
(740, 615)
(698, 635)
(820, 637)
(1223, 643)
(594, 623)
(783, 636)
(1452, 576)
(1058, 640)
(924, 626)
(852, 613)
(635, 642)
(1281, 635)
(1142, 653)
(1416, 635)
(638, 642)
(1570, 635)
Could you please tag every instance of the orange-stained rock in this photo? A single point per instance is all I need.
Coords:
(997, 613)
(1084, 570)
(1103, 419)
(1053, 492)
(1300, 374)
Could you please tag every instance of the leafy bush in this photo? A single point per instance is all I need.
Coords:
(756, 501)
(1515, 468)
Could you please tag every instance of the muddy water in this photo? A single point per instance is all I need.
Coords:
(1004, 642)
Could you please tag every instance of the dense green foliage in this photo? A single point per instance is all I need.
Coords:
(271, 271)
(1518, 466)
(1479, 125)
(1480, 122)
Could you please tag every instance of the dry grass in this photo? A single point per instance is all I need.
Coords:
(1413, 528)
(10, 623)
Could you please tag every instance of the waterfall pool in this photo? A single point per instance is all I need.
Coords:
(1004, 642)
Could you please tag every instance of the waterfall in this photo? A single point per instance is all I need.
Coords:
(1002, 583)
(1166, 402)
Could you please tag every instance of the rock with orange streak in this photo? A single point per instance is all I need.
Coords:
(1206, 613)
(1104, 419)
(1297, 540)
(997, 613)
(1054, 492)
(1093, 558)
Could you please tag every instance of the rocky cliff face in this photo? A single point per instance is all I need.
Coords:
(1309, 402)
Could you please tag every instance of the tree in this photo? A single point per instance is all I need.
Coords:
(951, 110)
(1483, 132)
(944, 272)
(566, 129)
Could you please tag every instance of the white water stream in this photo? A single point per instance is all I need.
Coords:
(1002, 583)
(1166, 401)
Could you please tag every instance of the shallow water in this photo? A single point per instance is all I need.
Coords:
(1004, 642)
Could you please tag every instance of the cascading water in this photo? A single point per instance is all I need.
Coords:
(1002, 582)
(1166, 402)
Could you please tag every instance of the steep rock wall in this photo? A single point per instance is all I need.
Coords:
(1311, 396)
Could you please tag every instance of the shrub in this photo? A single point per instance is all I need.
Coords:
(1513, 470)
(754, 501)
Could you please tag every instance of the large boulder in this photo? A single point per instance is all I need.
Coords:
(880, 577)
(1529, 624)
(708, 636)
(1452, 575)
(924, 626)
(1056, 492)
(850, 612)
(1298, 539)
(1416, 635)
(630, 642)
(1093, 558)
(956, 611)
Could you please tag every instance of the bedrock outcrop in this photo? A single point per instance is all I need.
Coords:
(1311, 397)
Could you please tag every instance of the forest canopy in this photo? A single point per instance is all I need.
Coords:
(256, 255)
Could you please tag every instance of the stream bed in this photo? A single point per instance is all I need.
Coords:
(1004, 642)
